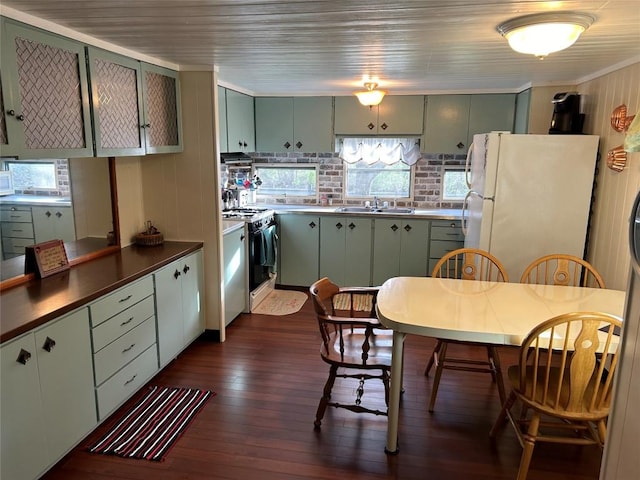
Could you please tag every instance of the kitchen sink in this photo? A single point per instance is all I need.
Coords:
(389, 211)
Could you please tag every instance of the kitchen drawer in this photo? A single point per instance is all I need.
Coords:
(15, 245)
(114, 303)
(440, 247)
(127, 381)
(446, 230)
(17, 230)
(120, 324)
(16, 214)
(121, 351)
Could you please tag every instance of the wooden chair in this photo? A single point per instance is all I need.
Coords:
(467, 264)
(352, 340)
(565, 388)
(562, 269)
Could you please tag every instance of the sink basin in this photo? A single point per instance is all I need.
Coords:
(390, 211)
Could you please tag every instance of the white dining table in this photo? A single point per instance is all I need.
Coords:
(474, 311)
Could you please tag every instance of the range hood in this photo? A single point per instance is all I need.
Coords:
(235, 158)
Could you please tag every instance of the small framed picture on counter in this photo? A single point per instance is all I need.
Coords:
(46, 258)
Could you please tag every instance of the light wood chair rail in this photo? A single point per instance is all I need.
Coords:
(353, 340)
(562, 269)
(568, 381)
(467, 264)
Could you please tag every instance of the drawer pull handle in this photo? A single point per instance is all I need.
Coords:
(23, 356)
(124, 299)
(14, 216)
(131, 379)
(125, 323)
(128, 348)
(49, 343)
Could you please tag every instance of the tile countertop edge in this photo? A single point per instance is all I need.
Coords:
(33, 304)
(434, 214)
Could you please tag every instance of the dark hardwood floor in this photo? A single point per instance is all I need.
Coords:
(268, 377)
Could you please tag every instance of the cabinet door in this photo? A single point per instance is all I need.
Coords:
(353, 118)
(299, 249)
(240, 122)
(116, 101)
(47, 101)
(222, 119)
(274, 124)
(169, 312)
(357, 262)
(192, 296)
(23, 446)
(491, 112)
(446, 124)
(53, 222)
(400, 115)
(312, 121)
(333, 248)
(414, 248)
(386, 249)
(235, 274)
(162, 109)
(66, 381)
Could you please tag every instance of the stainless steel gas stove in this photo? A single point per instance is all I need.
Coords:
(261, 251)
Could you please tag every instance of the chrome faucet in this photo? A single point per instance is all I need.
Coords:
(376, 202)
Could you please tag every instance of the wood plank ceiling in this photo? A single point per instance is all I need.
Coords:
(325, 47)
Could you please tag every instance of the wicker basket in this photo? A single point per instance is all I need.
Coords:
(150, 237)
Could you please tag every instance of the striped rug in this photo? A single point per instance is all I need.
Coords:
(152, 426)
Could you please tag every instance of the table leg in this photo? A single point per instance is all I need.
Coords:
(396, 389)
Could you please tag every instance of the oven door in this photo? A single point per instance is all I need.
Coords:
(261, 255)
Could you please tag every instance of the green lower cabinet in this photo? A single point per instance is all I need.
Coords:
(299, 249)
(400, 248)
(345, 250)
(446, 236)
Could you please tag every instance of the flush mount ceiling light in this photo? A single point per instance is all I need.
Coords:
(544, 33)
(370, 96)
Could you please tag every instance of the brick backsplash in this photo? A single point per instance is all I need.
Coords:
(427, 178)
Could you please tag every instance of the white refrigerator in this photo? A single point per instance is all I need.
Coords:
(530, 196)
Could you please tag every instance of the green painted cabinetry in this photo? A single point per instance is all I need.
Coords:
(396, 115)
(234, 254)
(400, 248)
(294, 124)
(299, 249)
(240, 122)
(446, 236)
(451, 121)
(222, 119)
(345, 250)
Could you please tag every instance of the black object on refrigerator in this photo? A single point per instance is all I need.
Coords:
(566, 118)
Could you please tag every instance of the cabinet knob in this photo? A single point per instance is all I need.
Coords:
(48, 213)
(58, 214)
(287, 145)
(23, 356)
(11, 113)
(371, 126)
(145, 125)
(186, 269)
(240, 143)
(20, 118)
(299, 144)
(352, 225)
(242, 237)
(312, 225)
(394, 227)
(460, 145)
(338, 225)
(407, 227)
(384, 126)
(176, 274)
(49, 343)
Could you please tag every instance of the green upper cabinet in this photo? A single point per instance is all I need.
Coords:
(240, 122)
(116, 101)
(451, 121)
(162, 109)
(523, 103)
(294, 124)
(45, 94)
(396, 115)
(222, 119)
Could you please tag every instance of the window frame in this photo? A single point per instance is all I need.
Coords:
(6, 163)
(412, 186)
(451, 168)
(289, 166)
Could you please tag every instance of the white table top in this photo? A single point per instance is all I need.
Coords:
(487, 312)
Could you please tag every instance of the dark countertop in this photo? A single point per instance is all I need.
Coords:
(27, 306)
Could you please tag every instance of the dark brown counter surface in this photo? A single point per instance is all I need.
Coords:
(27, 306)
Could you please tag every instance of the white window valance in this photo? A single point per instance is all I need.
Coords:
(385, 150)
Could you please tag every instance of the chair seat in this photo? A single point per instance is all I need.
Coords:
(549, 406)
(379, 354)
